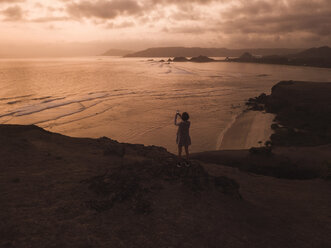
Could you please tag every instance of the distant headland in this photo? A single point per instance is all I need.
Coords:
(317, 57)
(210, 52)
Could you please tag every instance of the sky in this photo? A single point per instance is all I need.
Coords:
(87, 27)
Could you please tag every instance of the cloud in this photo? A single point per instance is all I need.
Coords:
(278, 17)
(111, 9)
(103, 9)
(125, 24)
(189, 29)
(257, 21)
(38, 5)
(218, 22)
(11, 1)
(50, 19)
(167, 2)
(14, 13)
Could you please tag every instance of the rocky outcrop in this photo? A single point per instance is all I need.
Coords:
(246, 56)
(257, 103)
(180, 59)
(201, 59)
(303, 111)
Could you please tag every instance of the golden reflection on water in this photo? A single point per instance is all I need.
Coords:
(134, 100)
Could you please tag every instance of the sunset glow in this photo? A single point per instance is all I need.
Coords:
(84, 27)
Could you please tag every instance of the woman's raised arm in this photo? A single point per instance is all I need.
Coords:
(177, 114)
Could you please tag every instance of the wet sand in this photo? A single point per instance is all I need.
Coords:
(250, 128)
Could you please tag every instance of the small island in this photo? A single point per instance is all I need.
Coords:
(199, 59)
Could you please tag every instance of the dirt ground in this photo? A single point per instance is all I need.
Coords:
(57, 191)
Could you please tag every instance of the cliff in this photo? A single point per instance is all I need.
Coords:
(303, 112)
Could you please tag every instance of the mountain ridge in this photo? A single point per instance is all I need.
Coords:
(211, 52)
(316, 57)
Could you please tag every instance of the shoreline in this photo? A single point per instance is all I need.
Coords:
(226, 129)
(249, 129)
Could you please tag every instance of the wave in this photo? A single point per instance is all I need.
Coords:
(14, 97)
(14, 102)
(96, 92)
(54, 99)
(74, 120)
(31, 109)
(41, 98)
(60, 116)
(170, 69)
(179, 70)
(181, 93)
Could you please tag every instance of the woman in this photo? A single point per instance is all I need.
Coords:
(183, 136)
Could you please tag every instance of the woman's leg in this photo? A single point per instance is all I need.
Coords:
(179, 151)
(187, 153)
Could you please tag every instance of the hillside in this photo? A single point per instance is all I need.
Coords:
(303, 112)
(57, 191)
(315, 52)
(210, 52)
(317, 57)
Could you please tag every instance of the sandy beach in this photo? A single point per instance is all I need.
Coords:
(249, 128)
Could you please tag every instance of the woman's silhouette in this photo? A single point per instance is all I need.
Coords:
(183, 136)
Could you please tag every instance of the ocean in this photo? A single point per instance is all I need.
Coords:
(134, 100)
